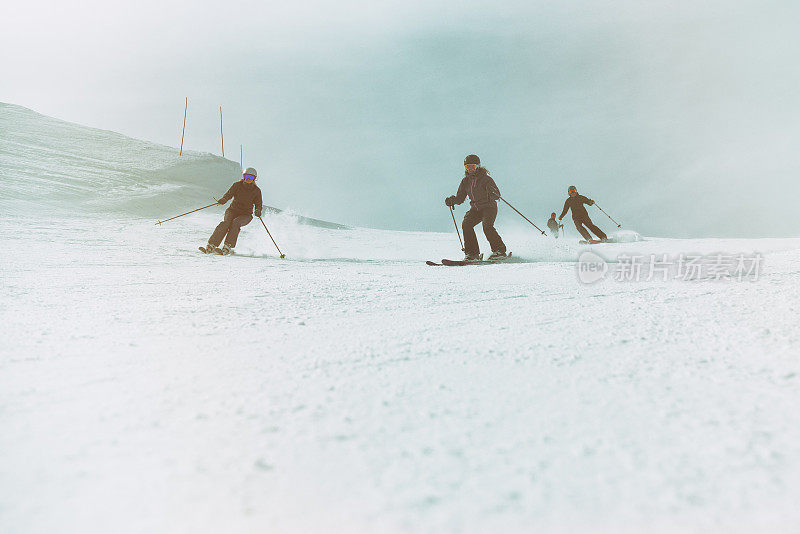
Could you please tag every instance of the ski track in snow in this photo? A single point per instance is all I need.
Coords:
(146, 387)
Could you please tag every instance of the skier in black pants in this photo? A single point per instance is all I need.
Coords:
(246, 196)
(579, 215)
(483, 194)
(554, 225)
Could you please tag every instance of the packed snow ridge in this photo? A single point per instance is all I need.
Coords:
(75, 169)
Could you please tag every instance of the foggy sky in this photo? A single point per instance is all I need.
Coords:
(679, 118)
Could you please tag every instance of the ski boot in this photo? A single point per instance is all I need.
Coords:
(497, 256)
(473, 257)
(208, 249)
(226, 250)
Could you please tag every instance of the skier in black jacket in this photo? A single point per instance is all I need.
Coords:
(554, 225)
(246, 196)
(483, 194)
(579, 215)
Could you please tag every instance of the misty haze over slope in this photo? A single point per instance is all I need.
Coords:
(680, 118)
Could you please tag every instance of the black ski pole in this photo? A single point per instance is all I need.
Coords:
(270, 236)
(521, 215)
(452, 214)
(187, 213)
(607, 215)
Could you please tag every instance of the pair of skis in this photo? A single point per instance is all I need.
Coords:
(461, 263)
(217, 250)
(596, 241)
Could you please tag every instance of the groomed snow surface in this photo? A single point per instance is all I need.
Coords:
(145, 387)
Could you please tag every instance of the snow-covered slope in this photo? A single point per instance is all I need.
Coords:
(145, 387)
(52, 164)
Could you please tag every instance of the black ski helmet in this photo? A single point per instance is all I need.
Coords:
(571, 188)
(472, 158)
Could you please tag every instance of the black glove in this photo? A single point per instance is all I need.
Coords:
(258, 213)
(450, 201)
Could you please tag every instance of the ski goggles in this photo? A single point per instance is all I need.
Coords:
(249, 177)
(471, 166)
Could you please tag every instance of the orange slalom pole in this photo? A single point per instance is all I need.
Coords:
(185, 108)
(221, 137)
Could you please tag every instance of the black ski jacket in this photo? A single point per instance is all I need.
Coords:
(480, 187)
(245, 197)
(576, 203)
(553, 225)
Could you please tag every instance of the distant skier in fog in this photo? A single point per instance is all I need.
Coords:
(554, 225)
(246, 196)
(483, 194)
(580, 217)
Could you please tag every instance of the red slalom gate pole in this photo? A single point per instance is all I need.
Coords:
(185, 108)
(221, 137)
